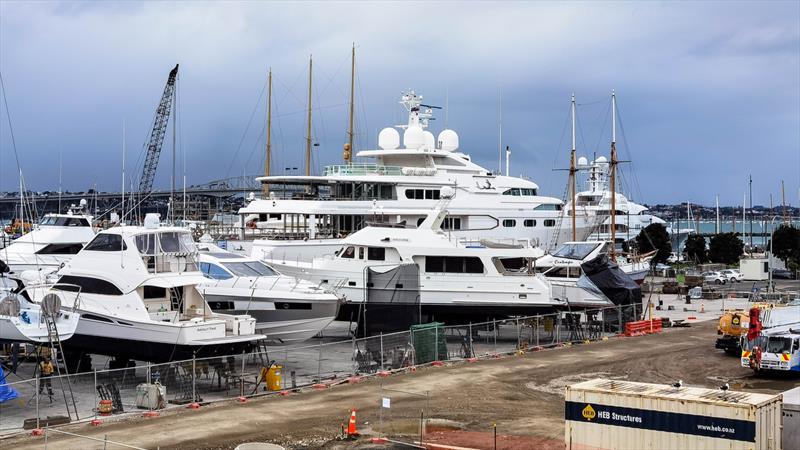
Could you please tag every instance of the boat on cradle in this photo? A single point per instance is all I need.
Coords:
(22, 320)
(53, 241)
(582, 274)
(394, 277)
(136, 291)
(399, 186)
(287, 310)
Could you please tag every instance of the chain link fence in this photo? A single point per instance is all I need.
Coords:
(147, 388)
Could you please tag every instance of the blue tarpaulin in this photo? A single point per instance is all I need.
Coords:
(6, 392)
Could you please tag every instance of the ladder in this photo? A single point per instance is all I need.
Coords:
(50, 313)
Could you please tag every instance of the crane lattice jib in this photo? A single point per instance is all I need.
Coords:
(157, 134)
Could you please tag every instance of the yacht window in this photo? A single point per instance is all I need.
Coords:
(360, 252)
(434, 264)
(549, 222)
(87, 285)
(528, 192)
(76, 222)
(451, 223)
(169, 242)
(513, 264)
(578, 250)
(376, 253)
(420, 220)
(107, 242)
(60, 249)
(529, 223)
(548, 207)
(453, 264)
(349, 252)
(249, 269)
(151, 292)
(509, 223)
(146, 243)
(473, 265)
(560, 272)
(214, 271)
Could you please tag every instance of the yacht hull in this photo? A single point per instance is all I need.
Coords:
(13, 329)
(282, 321)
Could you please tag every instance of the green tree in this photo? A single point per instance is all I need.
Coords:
(786, 245)
(655, 237)
(725, 248)
(695, 248)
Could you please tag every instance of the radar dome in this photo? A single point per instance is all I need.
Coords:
(448, 140)
(601, 160)
(430, 141)
(582, 161)
(83, 203)
(414, 137)
(151, 220)
(388, 139)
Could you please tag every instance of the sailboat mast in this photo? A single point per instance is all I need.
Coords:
(613, 175)
(783, 203)
(268, 159)
(572, 170)
(500, 133)
(308, 130)
(348, 150)
(717, 221)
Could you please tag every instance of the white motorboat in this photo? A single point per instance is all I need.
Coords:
(426, 273)
(53, 241)
(139, 298)
(287, 310)
(22, 320)
(399, 186)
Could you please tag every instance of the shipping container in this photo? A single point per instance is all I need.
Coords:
(613, 414)
(791, 419)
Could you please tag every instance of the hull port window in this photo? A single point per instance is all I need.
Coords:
(509, 223)
(529, 223)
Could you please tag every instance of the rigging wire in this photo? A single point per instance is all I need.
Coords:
(246, 129)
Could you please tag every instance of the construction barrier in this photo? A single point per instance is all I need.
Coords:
(640, 327)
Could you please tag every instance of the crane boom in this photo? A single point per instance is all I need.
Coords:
(157, 134)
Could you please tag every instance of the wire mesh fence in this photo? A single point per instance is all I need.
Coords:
(147, 388)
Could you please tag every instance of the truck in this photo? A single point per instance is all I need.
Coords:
(733, 325)
(772, 342)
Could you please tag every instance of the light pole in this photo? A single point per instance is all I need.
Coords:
(769, 258)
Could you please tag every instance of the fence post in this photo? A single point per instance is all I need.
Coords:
(519, 346)
(38, 393)
(319, 365)
(471, 350)
(494, 328)
(413, 348)
(381, 336)
(619, 319)
(538, 322)
(45, 436)
(95, 394)
(194, 372)
(436, 342)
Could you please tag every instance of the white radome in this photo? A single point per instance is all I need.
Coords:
(389, 139)
(430, 141)
(601, 160)
(583, 161)
(414, 137)
(448, 140)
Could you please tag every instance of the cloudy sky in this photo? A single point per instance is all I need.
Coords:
(708, 93)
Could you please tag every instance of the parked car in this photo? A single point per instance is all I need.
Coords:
(733, 275)
(714, 277)
(783, 274)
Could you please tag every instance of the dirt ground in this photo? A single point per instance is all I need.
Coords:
(522, 395)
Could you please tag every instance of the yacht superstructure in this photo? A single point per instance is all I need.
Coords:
(139, 298)
(400, 186)
(53, 241)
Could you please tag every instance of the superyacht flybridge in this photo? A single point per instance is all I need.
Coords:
(399, 186)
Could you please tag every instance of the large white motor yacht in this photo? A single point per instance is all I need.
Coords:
(287, 309)
(428, 272)
(53, 241)
(399, 185)
(139, 298)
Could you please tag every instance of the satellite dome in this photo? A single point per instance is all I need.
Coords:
(430, 141)
(582, 161)
(414, 137)
(83, 203)
(388, 139)
(151, 220)
(601, 160)
(448, 140)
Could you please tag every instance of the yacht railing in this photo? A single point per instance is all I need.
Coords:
(362, 169)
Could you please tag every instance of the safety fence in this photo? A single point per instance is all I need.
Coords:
(148, 388)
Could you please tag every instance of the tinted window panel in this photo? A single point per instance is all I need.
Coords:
(87, 285)
(376, 253)
(434, 264)
(473, 265)
(106, 242)
(60, 249)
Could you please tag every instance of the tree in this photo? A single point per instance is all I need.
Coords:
(655, 237)
(725, 248)
(695, 248)
(786, 245)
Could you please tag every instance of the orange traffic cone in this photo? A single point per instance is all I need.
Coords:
(351, 427)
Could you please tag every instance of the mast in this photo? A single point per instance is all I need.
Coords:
(783, 203)
(348, 148)
(268, 160)
(744, 216)
(613, 175)
(717, 221)
(308, 130)
(572, 170)
(751, 213)
(500, 133)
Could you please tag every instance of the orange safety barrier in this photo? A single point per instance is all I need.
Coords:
(640, 327)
